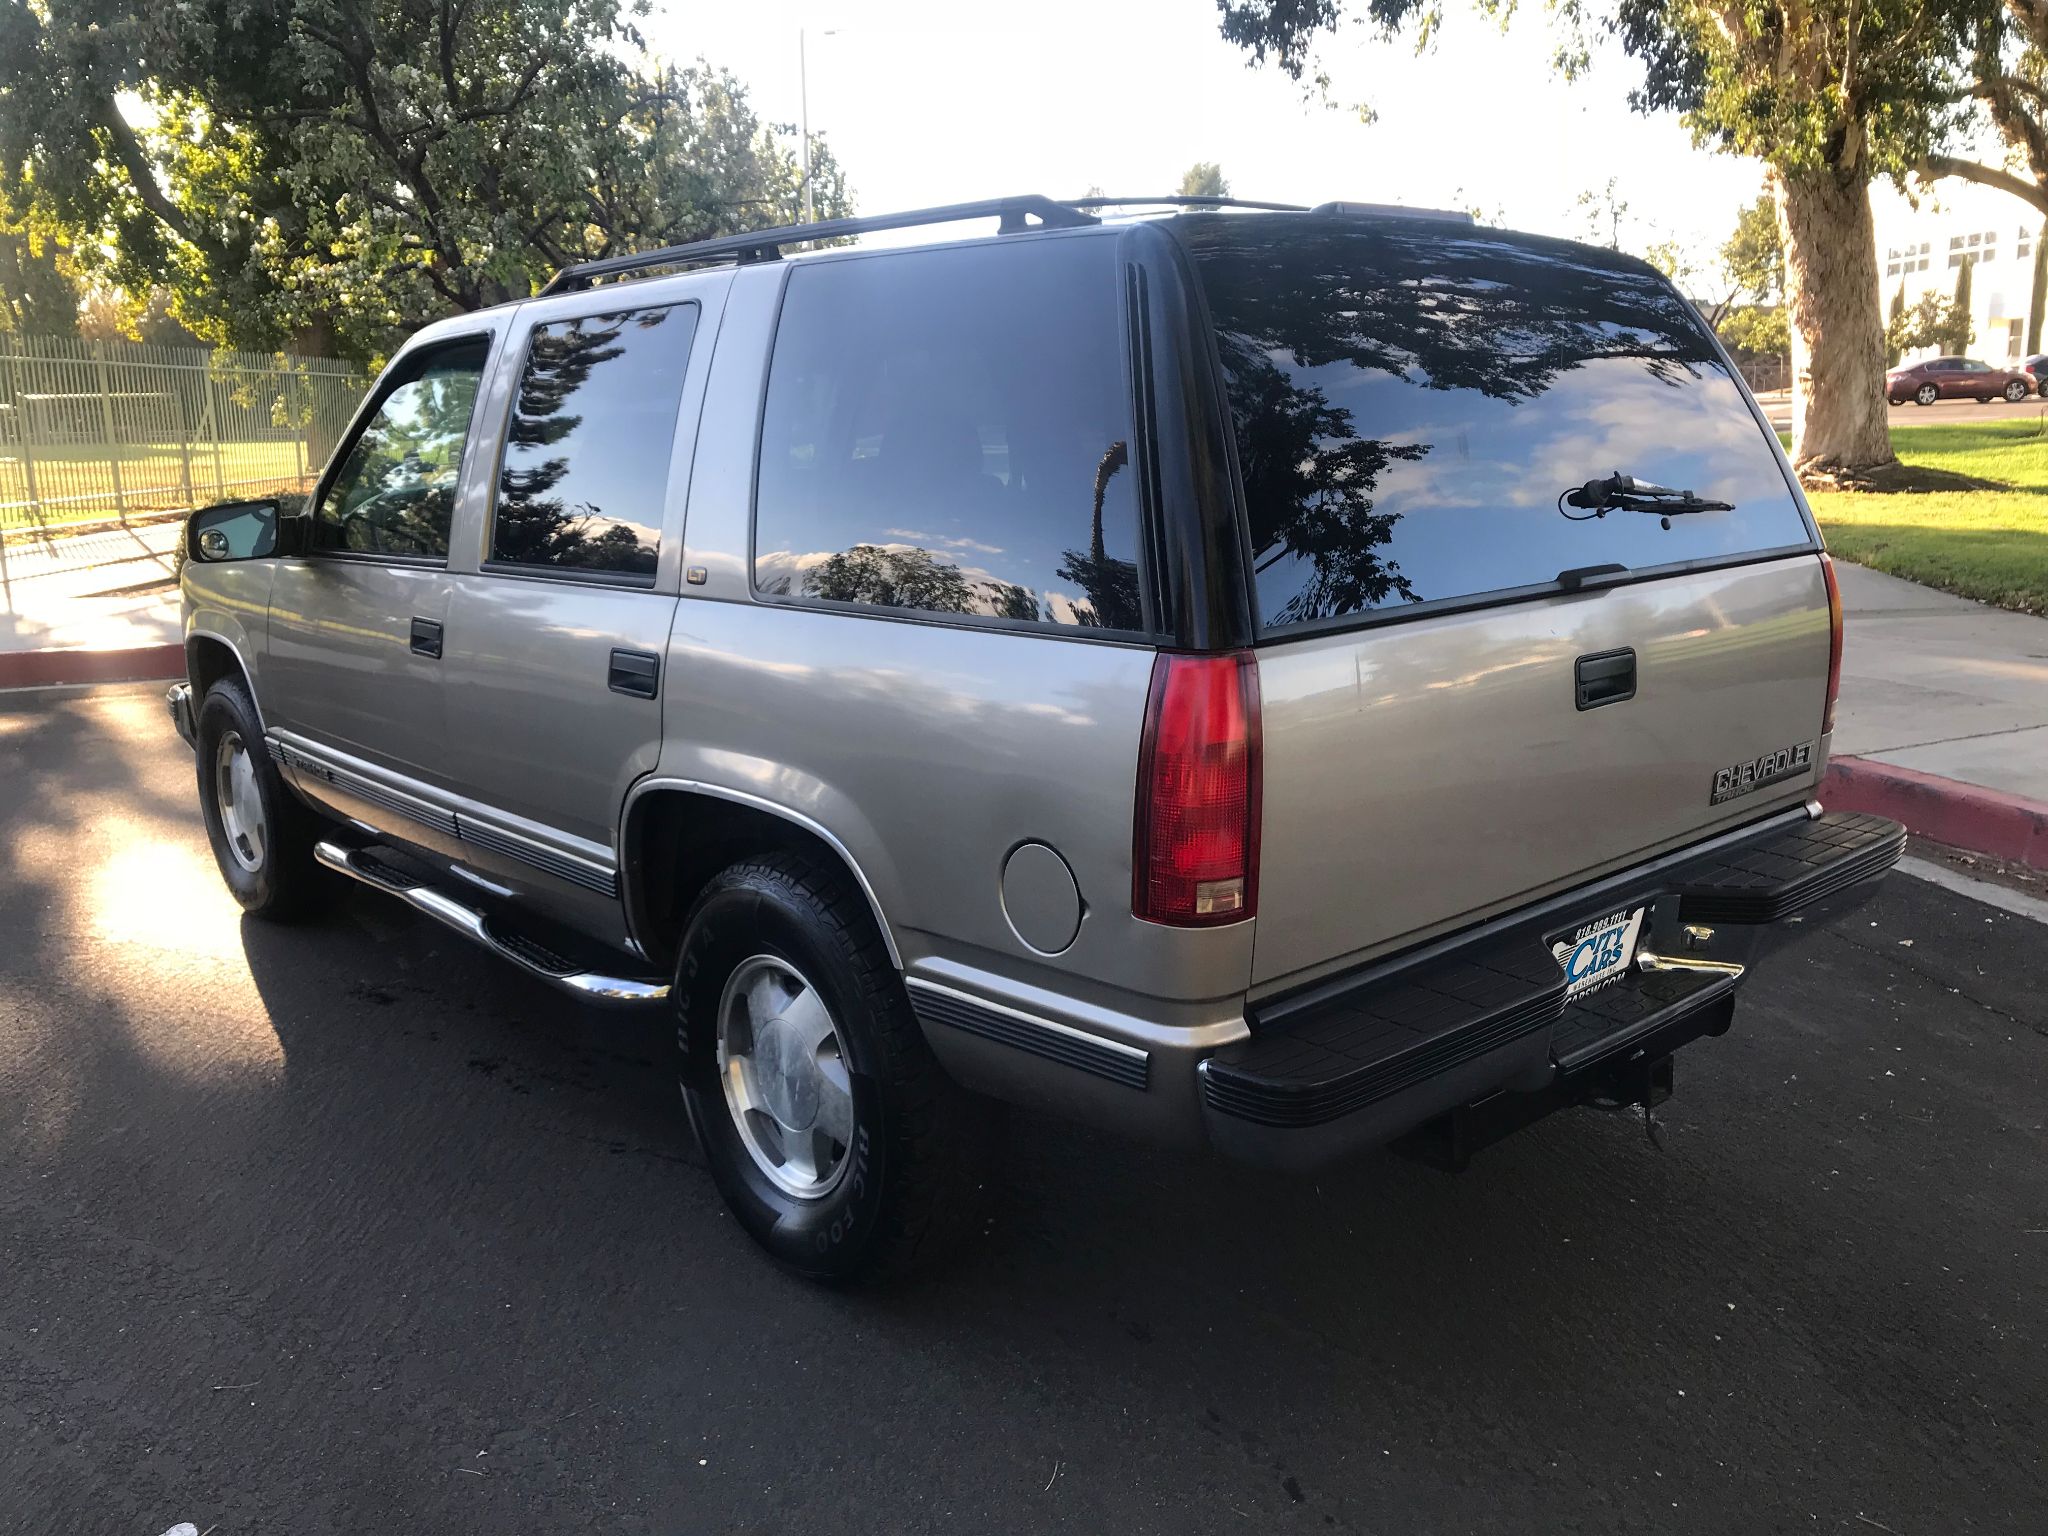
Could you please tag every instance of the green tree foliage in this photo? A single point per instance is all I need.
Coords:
(1931, 321)
(1763, 332)
(337, 171)
(1961, 330)
(1755, 254)
(1753, 259)
(1204, 179)
(39, 293)
(2009, 67)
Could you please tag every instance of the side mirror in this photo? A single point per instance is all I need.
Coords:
(246, 530)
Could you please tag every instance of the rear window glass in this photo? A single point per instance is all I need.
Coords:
(1410, 403)
(948, 432)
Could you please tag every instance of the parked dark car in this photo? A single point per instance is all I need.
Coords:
(1956, 378)
(2037, 369)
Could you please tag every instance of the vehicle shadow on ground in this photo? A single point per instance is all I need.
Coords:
(1578, 1278)
(415, 1208)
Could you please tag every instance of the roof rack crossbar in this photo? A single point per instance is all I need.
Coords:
(1180, 200)
(766, 244)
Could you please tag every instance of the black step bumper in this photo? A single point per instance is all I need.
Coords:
(1364, 1061)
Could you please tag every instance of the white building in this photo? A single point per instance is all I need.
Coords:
(1960, 221)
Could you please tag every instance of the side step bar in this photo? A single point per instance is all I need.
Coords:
(535, 959)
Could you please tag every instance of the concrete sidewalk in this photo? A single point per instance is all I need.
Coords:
(1943, 717)
(1942, 685)
(118, 619)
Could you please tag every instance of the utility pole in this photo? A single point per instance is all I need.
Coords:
(803, 91)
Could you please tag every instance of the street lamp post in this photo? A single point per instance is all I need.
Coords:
(803, 91)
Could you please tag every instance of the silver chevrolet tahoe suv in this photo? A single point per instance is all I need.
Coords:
(1286, 681)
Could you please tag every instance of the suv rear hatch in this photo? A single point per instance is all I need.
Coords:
(1473, 692)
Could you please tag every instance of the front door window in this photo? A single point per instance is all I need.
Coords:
(395, 491)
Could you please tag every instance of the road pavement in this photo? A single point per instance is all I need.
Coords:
(349, 1229)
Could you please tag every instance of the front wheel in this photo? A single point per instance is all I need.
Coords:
(831, 1130)
(1926, 394)
(262, 836)
(2016, 391)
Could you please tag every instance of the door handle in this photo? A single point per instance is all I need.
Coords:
(426, 638)
(1606, 677)
(635, 673)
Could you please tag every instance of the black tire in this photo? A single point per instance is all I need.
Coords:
(2015, 391)
(914, 1175)
(285, 882)
(1926, 394)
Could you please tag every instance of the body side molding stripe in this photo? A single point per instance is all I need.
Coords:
(1070, 1047)
(562, 865)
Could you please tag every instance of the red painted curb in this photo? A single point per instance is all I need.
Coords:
(1947, 810)
(46, 669)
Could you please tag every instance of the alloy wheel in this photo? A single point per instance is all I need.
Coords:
(240, 800)
(783, 1068)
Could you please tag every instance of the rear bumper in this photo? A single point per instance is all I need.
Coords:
(1476, 1034)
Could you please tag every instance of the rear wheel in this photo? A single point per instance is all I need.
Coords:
(262, 835)
(831, 1130)
(2016, 391)
(1926, 394)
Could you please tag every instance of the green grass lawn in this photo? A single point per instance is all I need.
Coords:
(1991, 545)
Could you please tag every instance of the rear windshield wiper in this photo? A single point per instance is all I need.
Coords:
(1623, 493)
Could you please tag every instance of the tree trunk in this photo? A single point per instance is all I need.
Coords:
(1831, 298)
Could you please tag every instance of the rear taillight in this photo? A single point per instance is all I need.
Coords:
(1827, 566)
(1196, 857)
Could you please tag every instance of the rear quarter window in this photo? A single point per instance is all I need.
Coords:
(1410, 401)
(947, 433)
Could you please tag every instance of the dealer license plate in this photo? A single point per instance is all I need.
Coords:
(1599, 952)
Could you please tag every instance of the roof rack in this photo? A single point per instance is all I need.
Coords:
(766, 244)
(1394, 211)
(1179, 201)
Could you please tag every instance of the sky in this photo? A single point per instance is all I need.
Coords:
(929, 103)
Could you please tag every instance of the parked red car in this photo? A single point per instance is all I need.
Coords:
(1955, 378)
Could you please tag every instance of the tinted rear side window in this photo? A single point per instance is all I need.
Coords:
(949, 432)
(585, 474)
(1411, 400)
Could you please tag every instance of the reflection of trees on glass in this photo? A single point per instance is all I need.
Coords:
(1302, 457)
(892, 578)
(910, 578)
(395, 492)
(1434, 311)
(534, 525)
(1111, 585)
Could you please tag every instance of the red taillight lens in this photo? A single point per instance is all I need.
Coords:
(1834, 641)
(1196, 859)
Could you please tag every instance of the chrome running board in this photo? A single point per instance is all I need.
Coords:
(361, 864)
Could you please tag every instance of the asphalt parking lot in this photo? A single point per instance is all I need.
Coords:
(347, 1229)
